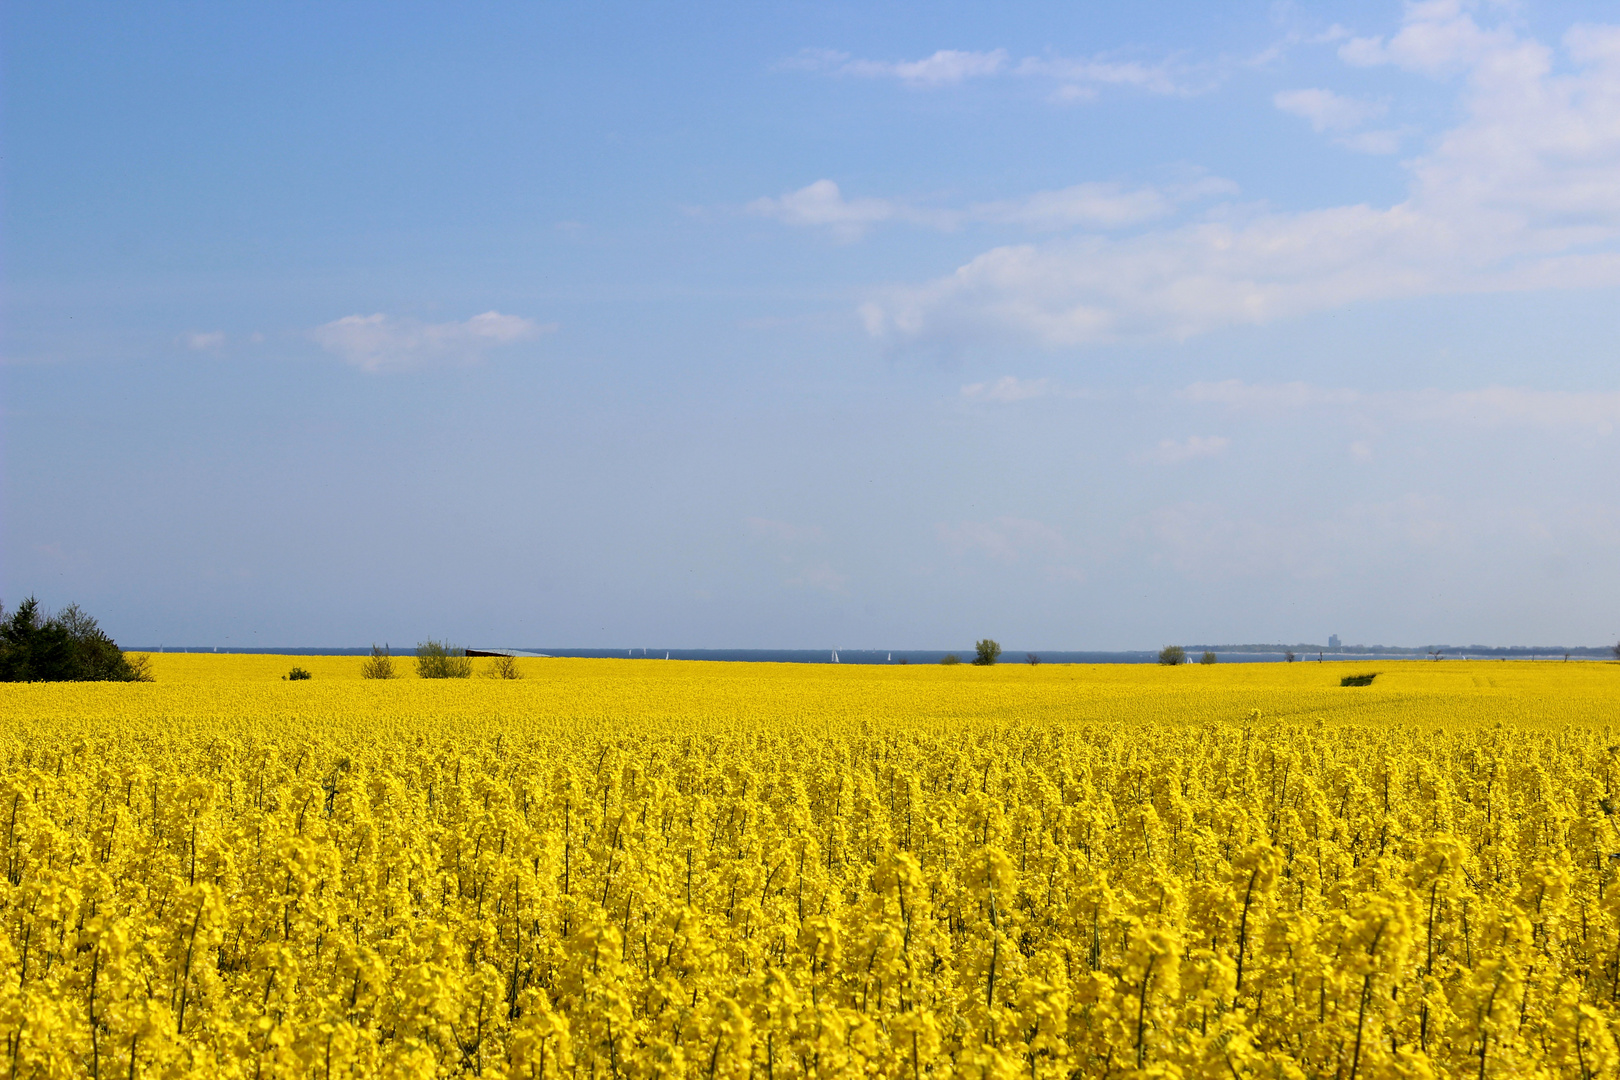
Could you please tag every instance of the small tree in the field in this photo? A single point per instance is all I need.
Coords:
(986, 652)
(1172, 655)
(1031, 659)
(1207, 658)
(379, 665)
(438, 660)
(503, 667)
(950, 658)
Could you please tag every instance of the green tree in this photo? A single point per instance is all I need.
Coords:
(65, 647)
(379, 665)
(438, 660)
(986, 652)
(950, 658)
(1207, 658)
(1171, 655)
(504, 667)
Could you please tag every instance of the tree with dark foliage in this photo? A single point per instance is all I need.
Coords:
(65, 647)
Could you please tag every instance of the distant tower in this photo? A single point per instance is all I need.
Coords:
(1333, 641)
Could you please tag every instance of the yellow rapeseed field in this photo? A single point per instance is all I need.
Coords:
(617, 868)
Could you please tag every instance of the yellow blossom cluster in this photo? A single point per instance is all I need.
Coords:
(639, 869)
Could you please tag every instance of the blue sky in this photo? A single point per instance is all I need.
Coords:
(893, 326)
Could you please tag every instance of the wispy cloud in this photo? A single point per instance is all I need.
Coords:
(204, 341)
(1099, 205)
(783, 531)
(378, 343)
(1075, 78)
(945, 67)
(1206, 541)
(794, 548)
(1172, 452)
(1522, 194)
(1342, 117)
(1272, 396)
(1078, 79)
(819, 574)
(1007, 389)
(1004, 539)
(1571, 411)
(822, 205)
(1328, 111)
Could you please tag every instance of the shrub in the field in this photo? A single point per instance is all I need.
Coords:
(379, 665)
(437, 660)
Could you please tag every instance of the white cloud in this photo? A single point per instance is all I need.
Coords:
(1102, 206)
(1382, 142)
(789, 542)
(1561, 411)
(822, 204)
(1171, 452)
(1507, 406)
(1003, 539)
(379, 343)
(1524, 193)
(819, 575)
(1007, 389)
(1273, 396)
(783, 532)
(1093, 205)
(943, 68)
(1343, 116)
(1328, 111)
(204, 341)
(1205, 541)
(1077, 78)
(1438, 37)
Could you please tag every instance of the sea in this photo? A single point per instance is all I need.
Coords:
(882, 656)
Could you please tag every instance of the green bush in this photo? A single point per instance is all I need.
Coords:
(503, 667)
(297, 674)
(65, 647)
(1207, 658)
(437, 660)
(379, 665)
(1171, 655)
(951, 658)
(986, 652)
(1358, 680)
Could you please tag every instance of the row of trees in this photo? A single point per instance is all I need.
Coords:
(437, 660)
(65, 647)
(1175, 655)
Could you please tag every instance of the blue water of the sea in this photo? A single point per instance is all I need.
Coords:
(826, 656)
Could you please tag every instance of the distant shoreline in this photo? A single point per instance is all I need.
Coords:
(1226, 654)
